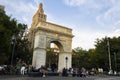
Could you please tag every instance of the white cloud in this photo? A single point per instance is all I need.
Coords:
(110, 17)
(86, 39)
(38, 1)
(21, 10)
(114, 33)
(117, 23)
(25, 19)
(107, 12)
(18, 6)
(88, 4)
(75, 2)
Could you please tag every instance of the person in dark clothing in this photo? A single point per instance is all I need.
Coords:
(43, 70)
(64, 72)
(53, 67)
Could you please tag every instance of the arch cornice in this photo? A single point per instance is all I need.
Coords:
(51, 31)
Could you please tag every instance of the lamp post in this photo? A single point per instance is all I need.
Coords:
(115, 61)
(66, 58)
(108, 44)
(13, 42)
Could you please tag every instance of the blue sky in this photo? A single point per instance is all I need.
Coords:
(89, 19)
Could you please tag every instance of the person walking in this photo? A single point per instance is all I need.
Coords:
(23, 68)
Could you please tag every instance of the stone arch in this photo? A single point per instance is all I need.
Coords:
(42, 40)
(42, 33)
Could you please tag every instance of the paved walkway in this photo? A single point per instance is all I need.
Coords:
(59, 78)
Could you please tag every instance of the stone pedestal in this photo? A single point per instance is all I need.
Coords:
(39, 54)
(63, 63)
(39, 58)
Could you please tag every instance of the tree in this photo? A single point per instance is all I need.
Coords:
(80, 58)
(102, 52)
(8, 28)
(93, 58)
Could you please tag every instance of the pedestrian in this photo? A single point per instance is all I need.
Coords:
(23, 68)
(18, 65)
(43, 70)
(83, 70)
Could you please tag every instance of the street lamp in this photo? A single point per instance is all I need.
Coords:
(108, 44)
(115, 61)
(13, 42)
(66, 58)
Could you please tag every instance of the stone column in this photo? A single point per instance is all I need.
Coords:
(63, 63)
(66, 53)
(39, 53)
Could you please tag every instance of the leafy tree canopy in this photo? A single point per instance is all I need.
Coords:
(9, 27)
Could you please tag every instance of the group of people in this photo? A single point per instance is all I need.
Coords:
(81, 72)
(21, 67)
(42, 70)
(74, 71)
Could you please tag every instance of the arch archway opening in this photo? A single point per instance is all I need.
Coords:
(52, 56)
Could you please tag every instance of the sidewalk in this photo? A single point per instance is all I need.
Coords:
(19, 77)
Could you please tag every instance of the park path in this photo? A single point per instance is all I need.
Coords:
(59, 78)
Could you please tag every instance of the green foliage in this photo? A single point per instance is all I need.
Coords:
(8, 28)
(81, 58)
(102, 52)
(99, 56)
(92, 58)
(51, 57)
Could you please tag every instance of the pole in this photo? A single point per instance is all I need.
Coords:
(66, 64)
(14, 42)
(115, 61)
(13, 53)
(66, 61)
(109, 55)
